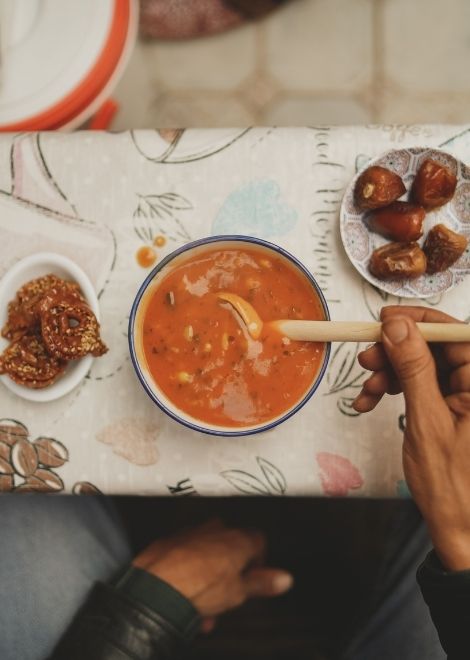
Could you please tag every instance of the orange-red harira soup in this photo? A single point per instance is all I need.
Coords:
(200, 354)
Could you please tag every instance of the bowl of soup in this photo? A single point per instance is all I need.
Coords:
(194, 355)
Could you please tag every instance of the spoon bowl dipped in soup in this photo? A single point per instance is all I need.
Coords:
(194, 355)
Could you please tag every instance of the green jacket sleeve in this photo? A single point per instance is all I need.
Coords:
(136, 616)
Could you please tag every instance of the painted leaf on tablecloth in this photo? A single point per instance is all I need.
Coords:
(270, 482)
(338, 475)
(6, 483)
(245, 482)
(344, 370)
(156, 214)
(345, 406)
(48, 480)
(273, 475)
(345, 376)
(174, 201)
(11, 430)
(85, 488)
(51, 452)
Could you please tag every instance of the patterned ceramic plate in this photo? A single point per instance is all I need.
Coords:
(359, 242)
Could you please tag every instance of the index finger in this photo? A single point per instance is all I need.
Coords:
(456, 354)
(418, 314)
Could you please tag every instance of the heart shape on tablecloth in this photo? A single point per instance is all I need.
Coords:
(338, 475)
(133, 439)
(255, 209)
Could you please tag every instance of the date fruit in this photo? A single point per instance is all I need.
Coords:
(434, 185)
(443, 247)
(377, 187)
(400, 221)
(398, 261)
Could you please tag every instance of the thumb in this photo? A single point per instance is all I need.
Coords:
(267, 582)
(413, 364)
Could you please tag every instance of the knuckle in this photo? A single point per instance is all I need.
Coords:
(389, 310)
(413, 365)
(376, 384)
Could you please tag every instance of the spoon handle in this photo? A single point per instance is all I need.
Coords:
(365, 331)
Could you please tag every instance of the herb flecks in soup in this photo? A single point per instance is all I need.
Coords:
(199, 351)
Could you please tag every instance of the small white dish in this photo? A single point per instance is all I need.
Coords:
(28, 269)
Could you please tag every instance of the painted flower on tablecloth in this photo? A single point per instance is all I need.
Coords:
(338, 475)
(255, 209)
(31, 466)
(133, 439)
(156, 222)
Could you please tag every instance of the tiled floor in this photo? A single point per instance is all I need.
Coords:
(313, 61)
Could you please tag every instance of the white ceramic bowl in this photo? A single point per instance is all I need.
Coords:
(28, 269)
(137, 316)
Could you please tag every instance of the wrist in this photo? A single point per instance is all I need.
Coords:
(454, 552)
(141, 586)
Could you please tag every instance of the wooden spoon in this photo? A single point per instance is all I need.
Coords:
(368, 331)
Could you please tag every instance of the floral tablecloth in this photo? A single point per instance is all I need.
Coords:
(98, 198)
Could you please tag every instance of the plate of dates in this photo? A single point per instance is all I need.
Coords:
(405, 222)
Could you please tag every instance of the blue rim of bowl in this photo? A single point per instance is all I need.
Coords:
(208, 241)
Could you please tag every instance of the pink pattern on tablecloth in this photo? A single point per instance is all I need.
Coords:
(132, 438)
(338, 475)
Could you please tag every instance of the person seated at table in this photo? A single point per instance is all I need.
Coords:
(71, 591)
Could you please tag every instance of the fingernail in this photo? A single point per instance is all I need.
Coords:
(282, 582)
(395, 330)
